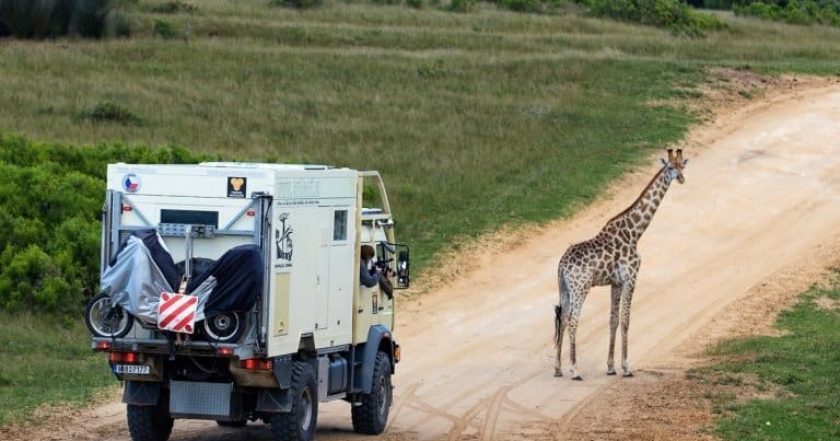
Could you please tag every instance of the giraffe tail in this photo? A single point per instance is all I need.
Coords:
(558, 308)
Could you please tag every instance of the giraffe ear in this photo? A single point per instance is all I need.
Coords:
(685, 161)
(664, 162)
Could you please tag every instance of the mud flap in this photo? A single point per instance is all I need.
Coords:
(282, 370)
(141, 393)
(274, 401)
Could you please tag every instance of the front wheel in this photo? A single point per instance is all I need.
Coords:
(104, 319)
(299, 423)
(150, 423)
(370, 416)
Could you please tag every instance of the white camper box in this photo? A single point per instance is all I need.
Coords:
(312, 315)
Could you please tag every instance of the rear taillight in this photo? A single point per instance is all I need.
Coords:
(103, 345)
(224, 351)
(123, 357)
(256, 364)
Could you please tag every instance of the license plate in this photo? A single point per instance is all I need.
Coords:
(132, 369)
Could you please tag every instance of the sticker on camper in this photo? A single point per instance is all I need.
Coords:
(236, 186)
(283, 242)
(131, 183)
(176, 312)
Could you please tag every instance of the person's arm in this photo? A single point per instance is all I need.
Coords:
(366, 278)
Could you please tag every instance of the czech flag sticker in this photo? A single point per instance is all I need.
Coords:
(131, 183)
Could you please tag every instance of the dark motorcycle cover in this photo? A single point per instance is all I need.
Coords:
(238, 278)
(143, 268)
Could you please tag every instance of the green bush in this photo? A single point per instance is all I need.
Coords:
(51, 197)
(670, 14)
(109, 111)
(533, 6)
(174, 7)
(461, 5)
(299, 4)
(826, 12)
(417, 4)
(165, 29)
(55, 18)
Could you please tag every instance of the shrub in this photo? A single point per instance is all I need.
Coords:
(51, 197)
(826, 12)
(165, 29)
(533, 6)
(417, 4)
(109, 111)
(299, 4)
(670, 14)
(174, 7)
(461, 5)
(55, 18)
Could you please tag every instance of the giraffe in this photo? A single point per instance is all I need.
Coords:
(610, 258)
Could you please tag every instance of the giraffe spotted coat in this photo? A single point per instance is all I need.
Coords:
(610, 259)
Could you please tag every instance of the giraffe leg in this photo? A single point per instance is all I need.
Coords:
(626, 298)
(559, 330)
(615, 299)
(573, 324)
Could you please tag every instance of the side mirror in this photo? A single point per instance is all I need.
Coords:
(401, 268)
(403, 273)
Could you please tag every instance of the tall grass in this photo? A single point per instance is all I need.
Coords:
(54, 18)
(475, 119)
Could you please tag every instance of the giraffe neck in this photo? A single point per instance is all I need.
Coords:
(632, 222)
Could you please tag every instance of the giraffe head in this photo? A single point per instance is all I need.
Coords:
(674, 165)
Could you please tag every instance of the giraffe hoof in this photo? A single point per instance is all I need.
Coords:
(627, 374)
(577, 378)
(558, 373)
(610, 371)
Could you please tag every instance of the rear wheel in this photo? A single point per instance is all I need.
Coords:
(104, 319)
(299, 423)
(371, 415)
(150, 423)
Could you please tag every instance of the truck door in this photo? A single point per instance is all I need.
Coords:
(322, 277)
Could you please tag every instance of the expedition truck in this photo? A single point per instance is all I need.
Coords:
(231, 292)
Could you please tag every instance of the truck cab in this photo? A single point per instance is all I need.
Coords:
(231, 292)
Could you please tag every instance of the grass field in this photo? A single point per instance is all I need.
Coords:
(476, 120)
(802, 367)
(46, 360)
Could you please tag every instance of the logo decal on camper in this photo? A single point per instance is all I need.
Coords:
(283, 240)
(131, 183)
(236, 187)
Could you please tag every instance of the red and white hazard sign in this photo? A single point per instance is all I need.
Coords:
(176, 312)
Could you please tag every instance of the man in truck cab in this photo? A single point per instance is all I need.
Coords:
(368, 274)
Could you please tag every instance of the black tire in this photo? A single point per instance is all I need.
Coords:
(150, 423)
(223, 328)
(104, 320)
(298, 424)
(232, 423)
(371, 415)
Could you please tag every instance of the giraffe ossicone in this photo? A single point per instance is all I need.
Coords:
(610, 259)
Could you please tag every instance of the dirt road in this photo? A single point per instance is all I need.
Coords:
(762, 188)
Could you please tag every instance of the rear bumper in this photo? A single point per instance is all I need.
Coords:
(162, 346)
